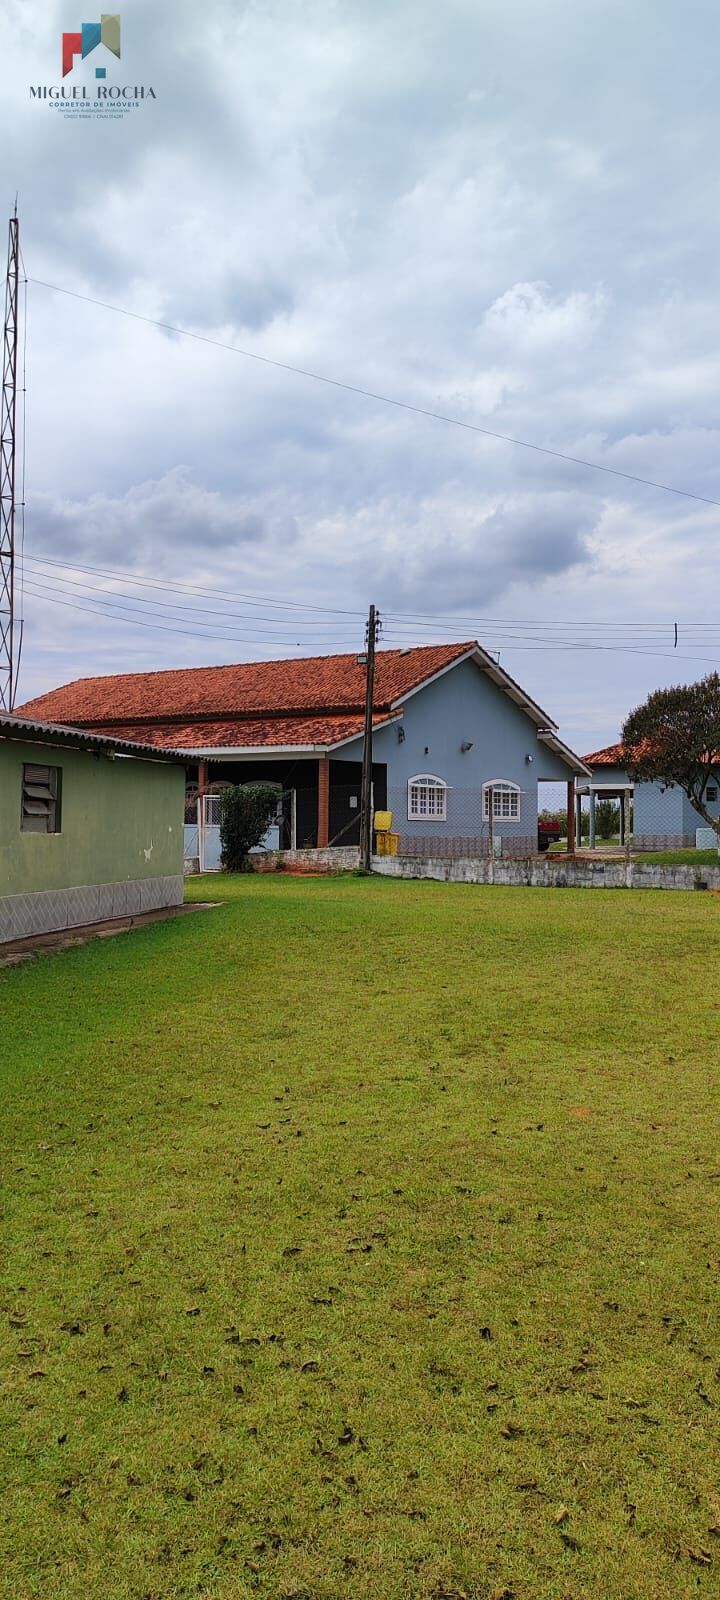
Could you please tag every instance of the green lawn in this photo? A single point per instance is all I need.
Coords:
(360, 1239)
(690, 858)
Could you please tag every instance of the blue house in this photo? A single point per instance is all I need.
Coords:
(662, 818)
(459, 748)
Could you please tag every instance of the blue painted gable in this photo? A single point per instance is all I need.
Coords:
(463, 706)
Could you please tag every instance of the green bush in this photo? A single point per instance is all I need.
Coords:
(607, 819)
(246, 811)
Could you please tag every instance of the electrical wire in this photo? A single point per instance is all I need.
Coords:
(382, 399)
(205, 592)
(126, 614)
(430, 620)
(90, 607)
(176, 605)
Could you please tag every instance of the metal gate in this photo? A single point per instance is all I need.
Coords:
(202, 841)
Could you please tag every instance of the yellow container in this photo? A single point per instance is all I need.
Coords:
(387, 844)
(382, 821)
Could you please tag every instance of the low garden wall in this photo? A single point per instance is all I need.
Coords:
(536, 872)
(339, 859)
(553, 872)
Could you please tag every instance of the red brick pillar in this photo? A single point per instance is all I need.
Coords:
(202, 776)
(323, 827)
(571, 818)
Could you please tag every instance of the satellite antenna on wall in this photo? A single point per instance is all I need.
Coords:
(7, 470)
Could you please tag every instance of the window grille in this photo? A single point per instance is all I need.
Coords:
(711, 793)
(505, 799)
(40, 799)
(427, 798)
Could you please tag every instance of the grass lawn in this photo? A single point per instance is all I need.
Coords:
(690, 858)
(675, 858)
(360, 1239)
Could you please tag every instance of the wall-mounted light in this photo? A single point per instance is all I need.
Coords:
(401, 735)
(466, 745)
(427, 749)
(529, 759)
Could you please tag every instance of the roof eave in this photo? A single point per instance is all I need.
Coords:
(385, 722)
(25, 730)
(230, 752)
(549, 737)
(497, 674)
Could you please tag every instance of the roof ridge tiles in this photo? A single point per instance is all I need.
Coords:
(288, 687)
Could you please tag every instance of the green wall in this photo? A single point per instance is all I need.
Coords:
(121, 820)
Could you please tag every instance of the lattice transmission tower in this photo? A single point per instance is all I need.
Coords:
(7, 471)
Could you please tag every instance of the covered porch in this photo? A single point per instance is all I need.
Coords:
(621, 790)
(318, 797)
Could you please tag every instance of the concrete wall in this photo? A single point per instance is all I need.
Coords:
(119, 851)
(333, 859)
(548, 873)
(464, 705)
(542, 872)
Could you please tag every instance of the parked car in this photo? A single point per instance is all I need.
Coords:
(549, 831)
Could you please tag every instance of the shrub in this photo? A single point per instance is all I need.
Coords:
(607, 819)
(246, 811)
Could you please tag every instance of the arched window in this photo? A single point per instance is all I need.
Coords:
(505, 800)
(427, 798)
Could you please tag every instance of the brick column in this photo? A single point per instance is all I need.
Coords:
(202, 775)
(323, 826)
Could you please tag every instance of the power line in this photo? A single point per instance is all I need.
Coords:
(401, 618)
(188, 588)
(397, 627)
(91, 607)
(95, 608)
(383, 399)
(174, 606)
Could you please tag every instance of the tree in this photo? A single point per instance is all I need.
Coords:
(606, 818)
(246, 811)
(674, 739)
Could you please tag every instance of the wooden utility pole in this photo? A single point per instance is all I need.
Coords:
(373, 629)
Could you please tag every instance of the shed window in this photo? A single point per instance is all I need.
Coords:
(41, 787)
(427, 797)
(505, 800)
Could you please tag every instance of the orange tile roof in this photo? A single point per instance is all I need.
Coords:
(246, 733)
(246, 703)
(612, 756)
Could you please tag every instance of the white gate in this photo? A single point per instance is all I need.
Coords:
(203, 841)
(209, 832)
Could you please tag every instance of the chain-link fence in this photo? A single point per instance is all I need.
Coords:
(440, 820)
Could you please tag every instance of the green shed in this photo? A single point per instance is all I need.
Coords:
(91, 828)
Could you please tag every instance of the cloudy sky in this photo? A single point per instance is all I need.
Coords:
(504, 213)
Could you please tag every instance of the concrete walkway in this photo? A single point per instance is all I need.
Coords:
(18, 950)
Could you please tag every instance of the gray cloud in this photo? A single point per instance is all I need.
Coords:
(151, 521)
(503, 213)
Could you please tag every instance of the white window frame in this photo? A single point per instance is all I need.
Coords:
(435, 791)
(506, 800)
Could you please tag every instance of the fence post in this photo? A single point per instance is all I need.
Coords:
(491, 817)
(201, 838)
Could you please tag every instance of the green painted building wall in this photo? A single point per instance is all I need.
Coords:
(121, 824)
(121, 819)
